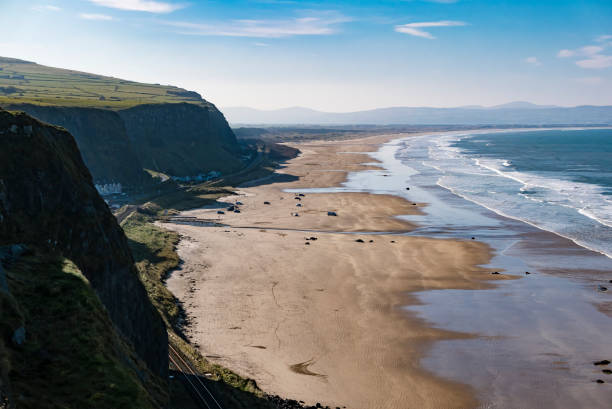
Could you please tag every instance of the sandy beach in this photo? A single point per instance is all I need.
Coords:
(320, 320)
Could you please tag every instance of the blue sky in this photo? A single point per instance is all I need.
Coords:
(330, 55)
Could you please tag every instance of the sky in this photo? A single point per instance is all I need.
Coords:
(334, 56)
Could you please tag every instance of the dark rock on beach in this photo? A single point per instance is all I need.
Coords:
(281, 403)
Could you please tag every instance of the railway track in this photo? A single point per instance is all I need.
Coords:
(193, 381)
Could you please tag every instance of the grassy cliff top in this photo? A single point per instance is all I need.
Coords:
(28, 82)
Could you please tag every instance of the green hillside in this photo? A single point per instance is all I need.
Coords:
(28, 82)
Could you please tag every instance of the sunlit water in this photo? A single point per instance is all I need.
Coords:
(539, 335)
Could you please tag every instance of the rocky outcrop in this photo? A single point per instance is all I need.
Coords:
(182, 139)
(101, 138)
(48, 201)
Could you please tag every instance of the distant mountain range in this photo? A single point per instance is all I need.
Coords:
(513, 113)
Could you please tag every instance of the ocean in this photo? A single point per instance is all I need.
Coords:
(535, 337)
(558, 180)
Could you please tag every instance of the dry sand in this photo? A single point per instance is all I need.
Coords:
(323, 322)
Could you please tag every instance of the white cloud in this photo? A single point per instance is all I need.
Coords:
(46, 7)
(585, 51)
(101, 17)
(262, 44)
(590, 80)
(603, 38)
(140, 5)
(590, 50)
(414, 29)
(597, 61)
(324, 25)
(591, 55)
(533, 61)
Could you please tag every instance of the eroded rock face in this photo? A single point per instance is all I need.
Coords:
(101, 138)
(182, 139)
(48, 200)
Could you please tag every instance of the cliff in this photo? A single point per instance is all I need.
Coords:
(48, 202)
(101, 138)
(58, 346)
(124, 126)
(179, 139)
(182, 139)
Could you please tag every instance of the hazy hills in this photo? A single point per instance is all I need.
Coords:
(514, 113)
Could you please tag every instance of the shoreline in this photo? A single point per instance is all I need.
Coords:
(540, 226)
(326, 324)
(445, 350)
(543, 359)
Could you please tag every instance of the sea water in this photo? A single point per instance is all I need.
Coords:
(558, 180)
(537, 336)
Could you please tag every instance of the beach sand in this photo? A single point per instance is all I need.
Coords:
(322, 322)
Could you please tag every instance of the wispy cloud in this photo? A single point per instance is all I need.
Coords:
(590, 56)
(533, 61)
(101, 17)
(304, 26)
(415, 29)
(590, 80)
(149, 6)
(46, 7)
(262, 44)
(597, 61)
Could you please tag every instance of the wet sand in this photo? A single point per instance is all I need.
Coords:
(324, 321)
(538, 335)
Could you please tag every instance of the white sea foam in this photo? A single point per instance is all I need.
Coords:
(575, 210)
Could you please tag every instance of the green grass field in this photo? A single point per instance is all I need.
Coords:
(27, 82)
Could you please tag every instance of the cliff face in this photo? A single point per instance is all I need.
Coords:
(102, 141)
(182, 139)
(47, 200)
